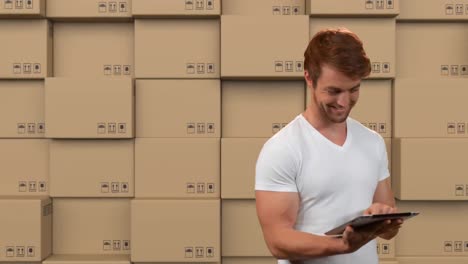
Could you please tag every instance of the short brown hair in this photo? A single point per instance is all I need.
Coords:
(341, 49)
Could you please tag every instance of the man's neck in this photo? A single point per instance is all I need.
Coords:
(322, 124)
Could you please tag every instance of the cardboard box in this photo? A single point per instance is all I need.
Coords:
(92, 168)
(446, 50)
(178, 108)
(177, 48)
(238, 159)
(242, 234)
(437, 114)
(93, 49)
(26, 228)
(249, 260)
(21, 180)
(272, 46)
(377, 35)
(23, 9)
(164, 8)
(89, 9)
(432, 260)
(433, 10)
(259, 108)
(430, 169)
(384, 8)
(91, 226)
(159, 174)
(26, 49)
(389, 261)
(261, 8)
(175, 230)
(22, 109)
(446, 222)
(87, 259)
(89, 108)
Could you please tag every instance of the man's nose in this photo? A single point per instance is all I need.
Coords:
(344, 99)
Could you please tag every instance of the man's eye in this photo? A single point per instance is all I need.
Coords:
(333, 92)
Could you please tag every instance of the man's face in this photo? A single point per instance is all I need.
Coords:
(334, 95)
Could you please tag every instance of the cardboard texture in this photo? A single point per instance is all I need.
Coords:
(385, 249)
(446, 222)
(264, 7)
(175, 230)
(273, 46)
(74, 108)
(92, 168)
(26, 228)
(26, 49)
(196, 113)
(26, 8)
(446, 50)
(93, 49)
(91, 226)
(238, 159)
(159, 174)
(87, 259)
(259, 108)
(377, 35)
(177, 48)
(22, 109)
(241, 232)
(158, 8)
(249, 260)
(385, 8)
(432, 260)
(439, 114)
(21, 180)
(433, 10)
(89, 9)
(430, 169)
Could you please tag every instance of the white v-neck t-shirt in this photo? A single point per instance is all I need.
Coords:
(335, 183)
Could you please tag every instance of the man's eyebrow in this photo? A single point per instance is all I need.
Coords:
(338, 88)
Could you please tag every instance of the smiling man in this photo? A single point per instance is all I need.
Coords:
(325, 168)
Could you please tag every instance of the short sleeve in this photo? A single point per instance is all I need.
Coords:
(383, 159)
(276, 168)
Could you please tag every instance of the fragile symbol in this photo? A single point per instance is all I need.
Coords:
(451, 128)
(278, 66)
(106, 245)
(449, 9)
(199, 252)
(210, 252)
(188, 5)
(369, 4)
(448, 246)
(276, 10)
(211, 188)
(123, 7)
(190, 128)
(116, 244)
(22, 186)
(275, 127)
(200, 188)
(190, 68)
(21, 128)
(104, 187)
(112, 7)
(286, 10)
(101, 128)
(122, 128)
(30, 251)
(188, 252)
(102, 7)
(190, 187)
(10, 251)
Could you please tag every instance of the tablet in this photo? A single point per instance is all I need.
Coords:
(364, 220)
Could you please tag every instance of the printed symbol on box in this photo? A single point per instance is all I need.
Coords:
(464, 70)
(283, 125)
(210, 128)
(467, 190)
(37, 68)
(20, 251)
(102, 7)
(382, 127)
(211, 188)
(200, 128)
(385, 67)
(364, 124)
(27, 68)
(188, 5)
(123, 7)
(289, 66)
(209, 252)
(42, 186)
(126, 245)
(117, 70)
(466, 9)
(376, 67)
(112, 7)
(460, 128)
(40, 128)
(116, 244)
(389, 4)
(451, 128)
(444, 70)
(106, 245)
(278, 66)
(210, 68)
(104, 187)
(190, 68)
(373, 126)
(369, 4)
(286, 10)
(19, 4)
(201, 68)
(8, 4)
(200, 188)
(190, 128)
(32, 186)
(459, 9)
(17, 68)
(296, 10)
(275, 127)
(111, 128)
(385, 249)
(122, 128)
(22, 186)
(30, 251)
(190, 187)
(126, 69)
(101, 128)
(199, 252)
(466, 245)
(10, 251)
(276, 10)
(454, 69)
(379, 4)
(21, 128)
(107, 70)
(209, 4)
(378, 248)
(299, 67)
(199, 4)
(31, 128)
(449, 9)
(189, 252)
(124, 187)
(29, 4)
(115, 187)
(448, 246)
(458, 246)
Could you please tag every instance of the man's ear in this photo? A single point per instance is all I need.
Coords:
(307, 78)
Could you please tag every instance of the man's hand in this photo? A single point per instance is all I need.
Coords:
(389, 229)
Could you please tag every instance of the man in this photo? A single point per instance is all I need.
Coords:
(324, 168)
